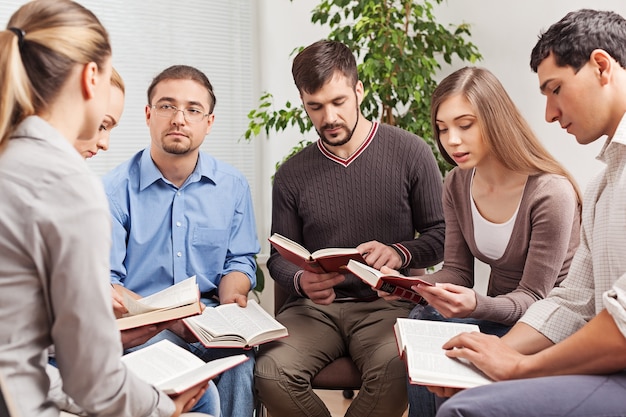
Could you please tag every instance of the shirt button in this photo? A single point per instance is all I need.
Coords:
(178, 224)
(179, 254)
(178, 193)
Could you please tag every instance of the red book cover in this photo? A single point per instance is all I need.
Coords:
(398, 285)
(320, 261)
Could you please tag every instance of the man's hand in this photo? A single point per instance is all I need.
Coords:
(140, 335)
(320, 287)
(234, 288)
(489, 353)
(178, 327)
(385, 295)
(378, 255)
(186, 400)
(449, 299)
(119, 309)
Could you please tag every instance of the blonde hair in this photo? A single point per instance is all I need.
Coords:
(507, 134)
(117, 81)
(43, 41)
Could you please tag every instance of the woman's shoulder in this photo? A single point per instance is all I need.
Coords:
(458, 177)
(551, 184)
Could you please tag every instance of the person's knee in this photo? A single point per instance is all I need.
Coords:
(273, 377)
(385, 364)
(266, 368)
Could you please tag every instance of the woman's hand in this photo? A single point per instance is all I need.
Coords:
(449, 300)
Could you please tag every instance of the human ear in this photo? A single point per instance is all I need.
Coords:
(358, 89)
(603, 63)
(210, 120)
(148, 111)
(89, 80)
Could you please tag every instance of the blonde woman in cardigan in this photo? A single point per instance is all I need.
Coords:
(508, 203)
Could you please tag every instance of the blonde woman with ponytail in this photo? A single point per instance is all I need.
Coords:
(55, 74)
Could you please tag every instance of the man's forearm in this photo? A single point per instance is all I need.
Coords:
(597, 348)
(526, 340)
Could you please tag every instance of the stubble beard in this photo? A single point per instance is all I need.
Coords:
(349, 132)
(175, 147)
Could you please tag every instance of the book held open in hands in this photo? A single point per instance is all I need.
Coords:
(320, 261)
(229, 325)
(175, 302)
(420, 345)
(398, 285)
(173, 369)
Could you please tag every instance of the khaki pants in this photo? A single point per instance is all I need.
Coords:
(319, 334)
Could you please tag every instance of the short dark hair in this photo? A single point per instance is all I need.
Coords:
(572, 39)
(184, 72)
(316, 64)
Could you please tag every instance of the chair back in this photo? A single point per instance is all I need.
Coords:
(280, 297)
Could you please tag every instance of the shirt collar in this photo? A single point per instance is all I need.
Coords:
(619, 138)
(149, 173)
(36, 127)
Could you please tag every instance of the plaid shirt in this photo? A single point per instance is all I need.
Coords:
(597, 277)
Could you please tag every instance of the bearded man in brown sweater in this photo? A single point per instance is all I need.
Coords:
(362, 184)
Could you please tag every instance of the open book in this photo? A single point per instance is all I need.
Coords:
(419, 343)
(398, 285)
(320, 261)
(173, 369)
(175, 302)
(229, 325)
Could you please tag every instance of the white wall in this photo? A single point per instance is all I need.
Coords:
(504, 31)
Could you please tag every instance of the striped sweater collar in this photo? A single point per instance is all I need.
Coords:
(347, 161)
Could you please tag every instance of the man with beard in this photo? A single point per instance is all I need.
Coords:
(365, 185)
(179, 212)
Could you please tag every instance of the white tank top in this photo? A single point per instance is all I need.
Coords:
(491, 238)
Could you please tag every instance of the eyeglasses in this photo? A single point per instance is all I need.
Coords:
(191, 114)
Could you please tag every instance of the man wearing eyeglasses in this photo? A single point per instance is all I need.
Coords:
(179, 212)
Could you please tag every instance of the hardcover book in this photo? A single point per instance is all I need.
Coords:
(320, 261)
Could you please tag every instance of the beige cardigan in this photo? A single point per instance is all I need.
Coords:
(543, 241)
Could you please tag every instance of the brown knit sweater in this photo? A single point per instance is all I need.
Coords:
(543, 241)
(388, 190)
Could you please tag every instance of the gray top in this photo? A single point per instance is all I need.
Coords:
(54, 282)
(539, 253)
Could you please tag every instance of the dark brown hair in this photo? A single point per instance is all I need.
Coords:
(184, 72)
(316, 64)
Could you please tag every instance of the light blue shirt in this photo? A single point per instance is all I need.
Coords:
(163, 234)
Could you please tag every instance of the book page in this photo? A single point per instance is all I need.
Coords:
(201, 373)
(232, 319)
(427, 362)
(184, 292)
(437, 369)
(290, 245)
(334, 252)
(368, 274)
(160, 362)
(372, 276)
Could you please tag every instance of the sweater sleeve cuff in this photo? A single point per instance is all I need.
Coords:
(296, 283)
(404, 253)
